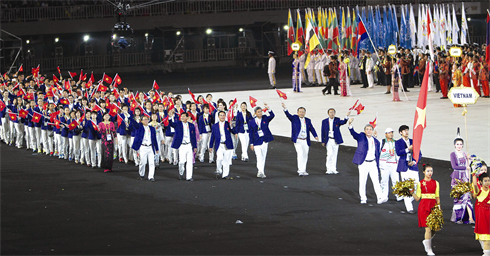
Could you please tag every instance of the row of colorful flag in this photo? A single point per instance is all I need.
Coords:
(338, 28)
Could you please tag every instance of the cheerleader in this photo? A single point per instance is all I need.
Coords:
(482, 211)
(428, 194)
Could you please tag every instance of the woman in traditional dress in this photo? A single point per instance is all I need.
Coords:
(343, 77)
(395, 79)
(107, 131)
(428, 194)
(463, 208)
(482, 211)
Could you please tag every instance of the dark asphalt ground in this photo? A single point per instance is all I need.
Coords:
(52, 206)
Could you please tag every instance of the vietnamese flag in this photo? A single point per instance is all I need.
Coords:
(81, 119)
(88, 84)
(67, 85)
(107, 79)
(192, 96)
(156, 97)
(102, 88)
(21, 69)
(374, 122)
(13, 116)
(193, 117)
(359, 109)
(64, 101)
(155, 85)
(116, 94)
(21, 92)
(113, 109)
(96, 108)
(419, 122)
(253, 101)
(72, 74)
(23, 113)
(117, 80)
(230, 115)
(59, 70)
(57, 123)
(92, 79)
(119, 120)
(233, 103)
(211, 107)
(45, 105)
(55, 79)
(36, 117)
(165, 121)
(2, 105)
(29, 96)
(281, 94)
(52, 116)
(73, 125)
(355, 104)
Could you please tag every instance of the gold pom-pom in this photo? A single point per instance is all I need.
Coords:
(403, 188)
(460, 189)
(435, 219)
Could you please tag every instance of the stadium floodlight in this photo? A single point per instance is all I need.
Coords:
(241, 29)
(56, 40)
(209, 31)
(286, 27)
(27, 41)
(178, 33)
(146, 34)
(86, 38)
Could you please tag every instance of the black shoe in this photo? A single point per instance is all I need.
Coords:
(387, 92)
(443, 98)
(363, 86)
(407, 91)
(336, 94)
(217, 175)
(152, 180)
(328, 93)
(181, 177)
(272, 87)
(141, 178)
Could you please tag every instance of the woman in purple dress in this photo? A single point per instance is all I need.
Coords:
(463, 208)
(107, 131)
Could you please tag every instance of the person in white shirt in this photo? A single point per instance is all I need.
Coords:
(370, 70)
(319, 64)
(332, 138)
(221, 141)
(310, 69)
(272, 70)
(388, 162)
(302, 60)
(185, 142)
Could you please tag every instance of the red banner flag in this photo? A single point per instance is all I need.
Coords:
(55, 79)
(52, 116)
(21, 68)
(23, 113)
(374, 122)
(253, 101)
(117, 80)
(2, 105)
(281, 94)
(72, 74)
(36, 117)
(92, 79)
(107, 79)
(233, 103)
(419, 122)
(64, 101)
(59, 70)
(102, 88)
(155, 85)
(119, 120)
(13, 116)
(73, 125)
(359, 109)
(192, 96)
(355, 104)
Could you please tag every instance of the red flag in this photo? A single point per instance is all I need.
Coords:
(193, 117)
(88, 84)
(117, 80)
(23, 113)
(156, 97)
(359, 108)
(13, 116)
(253, 101)
(419, 122)
(36, 117)
(232, 103)
(487, 49)
(113, 109)
(92, 79)
(211, 107)
(35, 71)
(73, 125)
(64, 101)
(95, 125)
(155, 85)
(21, 92)
(67, 85)
(119, 120)
(57, 123)
(45, 105)
(102, 88)
(21, 69)
(230, 115)
(281, 94)
(192, 96)
(107, 79)
(55, 79)
(2, 105)
(374, 122)
(165, 121)
(116, 94)
(96, 108)
(81, 118)
(59, 70)
(52, 116)
(29, 96)
(72, 74)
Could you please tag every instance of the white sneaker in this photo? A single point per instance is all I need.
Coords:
(303, 174)
(335, 172)
(382, 201)
(363, 201)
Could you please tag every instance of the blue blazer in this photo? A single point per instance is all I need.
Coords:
(216, 136)
(124, 129)
(264, 126)
(92, 133)
(400, 147)
(240, 121)
(296, 127)
(201, 124)
(362, 147)
(179, 133)
(140, 133)
(337, 122)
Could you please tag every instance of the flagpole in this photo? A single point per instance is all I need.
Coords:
(368, 35)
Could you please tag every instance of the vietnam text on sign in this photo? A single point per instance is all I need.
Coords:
(463, 95)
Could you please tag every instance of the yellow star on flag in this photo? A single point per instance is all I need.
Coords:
(420, 118)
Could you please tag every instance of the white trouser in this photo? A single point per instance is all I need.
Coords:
(84, 150)
(12, 131)
(19, 131)
(311, 75)
(122, 142)
(131, 151)
(388, 170)
(75, 147)
(48, 137)
(245, 142)
(261, 154)
(147, 156)
(65, 146)
(370, 79)
(186, 158)
(5, 129)
(332, 151)
(162, 148)
(27, 136)
(223, 160)
(320, 76)
(171, 152)
(37, 135)
(95, 151)
(302, 150)
(57, 142)
(405, 176)
(32, 137)
(205, 146)
(272, 79)
(234, 139)
(136, 157)
(364, 169)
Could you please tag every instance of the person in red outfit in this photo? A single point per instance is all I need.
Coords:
(483, 77)
(482, 211)
(474, 74)
(443, 76)
(428, 194)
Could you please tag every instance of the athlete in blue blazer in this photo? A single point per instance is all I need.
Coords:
(146, 147)
(260, 136)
